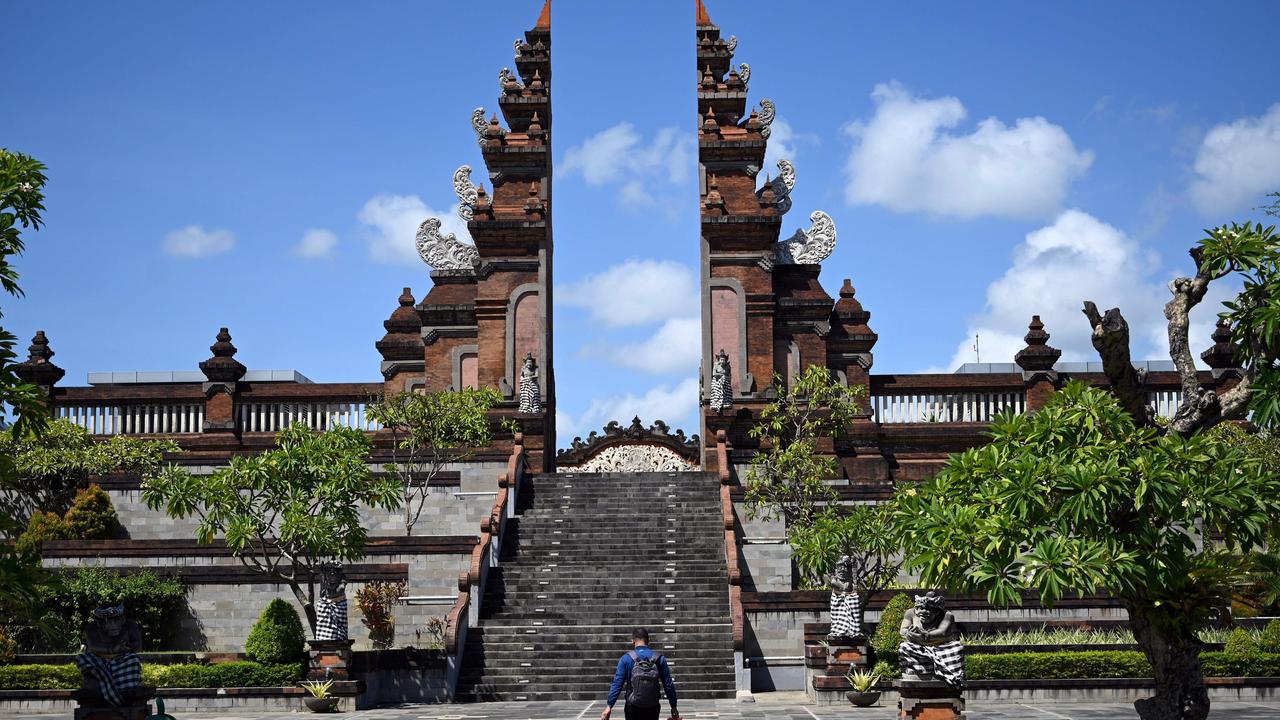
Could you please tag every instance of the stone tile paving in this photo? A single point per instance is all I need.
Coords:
(771, 706)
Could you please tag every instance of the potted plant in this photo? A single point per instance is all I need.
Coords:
(862, 682)
(320, 700)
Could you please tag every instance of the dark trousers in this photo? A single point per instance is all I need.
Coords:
(638, 713)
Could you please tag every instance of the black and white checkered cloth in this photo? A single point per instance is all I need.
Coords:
(945, 661)
(331, 619)
(114, 676)
(846, 615)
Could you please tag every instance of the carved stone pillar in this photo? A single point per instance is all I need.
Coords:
(1037, 360)
(222, 371)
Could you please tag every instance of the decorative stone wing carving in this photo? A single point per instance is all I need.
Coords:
(631, 449)
(466, 192)
(444, 252)
(809, 246)
(479, 124)
(508, 81)
(744, 72)
(782, 186)
(768, 111)
(732, 44)
(518, 45)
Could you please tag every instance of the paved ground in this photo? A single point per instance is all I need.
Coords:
(773, 706)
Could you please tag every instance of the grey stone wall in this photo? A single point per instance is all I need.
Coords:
(223, 614)
(448, 511)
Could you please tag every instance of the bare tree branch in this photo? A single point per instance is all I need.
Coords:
(1111, 340)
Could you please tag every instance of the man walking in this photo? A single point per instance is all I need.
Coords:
(641, 671)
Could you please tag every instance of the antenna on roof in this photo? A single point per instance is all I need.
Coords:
(976, 352)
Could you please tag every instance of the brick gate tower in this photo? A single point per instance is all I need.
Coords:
(487, 321)
(764, 313)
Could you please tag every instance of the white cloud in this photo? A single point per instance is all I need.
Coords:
(675, 347)
(677, 406)
(1054, 270)
(392, 222)
(1238, 163)
(905, 160)
(636, 292)
(316, 243)
(194, 241)
(618, 156)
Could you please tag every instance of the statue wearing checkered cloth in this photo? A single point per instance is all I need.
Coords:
(846, 604)
(109, 663)
(331, 605)
(929, 649)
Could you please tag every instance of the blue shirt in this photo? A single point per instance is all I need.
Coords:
(625, 666)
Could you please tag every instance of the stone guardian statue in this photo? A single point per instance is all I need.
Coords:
(846, 605)
(109, 662)
(930, 649)
(721, 382)
(331, 605)
(530, 391)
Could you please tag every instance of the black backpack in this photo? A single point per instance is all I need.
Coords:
(643, 688)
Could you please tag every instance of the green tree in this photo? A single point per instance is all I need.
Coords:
(866, 533)
(49, 468)
(428, 432)
(22, 181)
(285, 511)
(787, 478)
(1080, 496)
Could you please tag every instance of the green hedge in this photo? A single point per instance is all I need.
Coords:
(233, 674)
(1107, 664)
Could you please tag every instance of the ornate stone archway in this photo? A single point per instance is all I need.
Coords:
(634, 448)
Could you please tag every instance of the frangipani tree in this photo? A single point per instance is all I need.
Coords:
(1080, 497)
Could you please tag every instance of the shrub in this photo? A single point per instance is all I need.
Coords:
(234, 674)
(277, 637)
(377, 601)
(156, 602)
(8, 646)
(1240, 643)
(1107, 664)
(887, 670)
(1270, 640)
(92, 516)
(887, 639)
(41, 528)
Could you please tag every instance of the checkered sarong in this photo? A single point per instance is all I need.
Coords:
(846, 615)
(113, 676)
(331, 619)
(945, 661)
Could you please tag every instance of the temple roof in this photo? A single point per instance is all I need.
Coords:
(544, 18)
(702, 17)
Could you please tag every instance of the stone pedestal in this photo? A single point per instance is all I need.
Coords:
(90, 705)
(329, 660)
(826, 665)
(929, 700)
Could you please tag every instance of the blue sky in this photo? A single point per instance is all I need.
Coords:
(262, 166)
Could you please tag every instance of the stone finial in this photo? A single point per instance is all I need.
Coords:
(1037, 355)
(536, 84)
(1222, 354)
(494, 131)
(534, 205)
(848, 307)
(767, 197)
(403, 340)
(223, 366)
(714, 200)
(39, 368)
(709, 124)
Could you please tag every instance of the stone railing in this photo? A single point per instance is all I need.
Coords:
(732, 562)
(171, 418)
(471, 583)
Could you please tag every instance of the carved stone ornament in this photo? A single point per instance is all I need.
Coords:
(732, 44)
(518, 45)
(634, 448)
(744, 72)
(444, 252)
(809, 247)
(479, 124)
(508, 81)
(721, 382)
(768, 111)
(782, 186)
(466, 192)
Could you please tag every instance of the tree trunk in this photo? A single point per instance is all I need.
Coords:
(1175, 661)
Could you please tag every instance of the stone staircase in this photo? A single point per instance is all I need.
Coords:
(592, 556)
